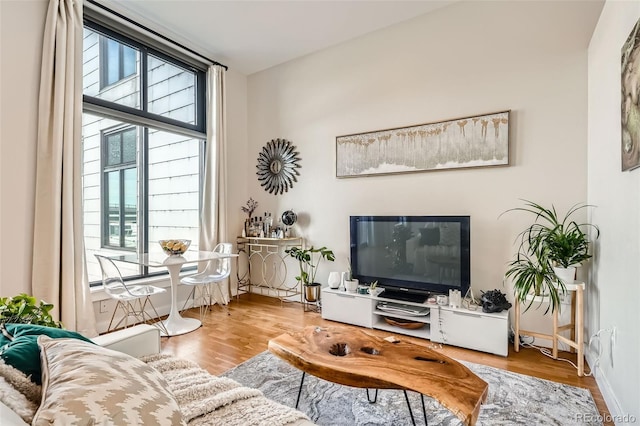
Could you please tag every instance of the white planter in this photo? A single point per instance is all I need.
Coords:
(351, 286)
(566, 275)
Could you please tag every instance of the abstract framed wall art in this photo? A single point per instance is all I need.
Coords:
(630, 108)
(476, 141)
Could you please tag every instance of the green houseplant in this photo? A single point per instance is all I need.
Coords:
(532, 276)
(350, 283)
(550, 249)
(308, 261)
(25, 309)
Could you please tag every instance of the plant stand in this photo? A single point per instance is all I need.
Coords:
(576, 341)
(311, 297)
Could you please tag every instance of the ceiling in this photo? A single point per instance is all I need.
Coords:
(250, 36)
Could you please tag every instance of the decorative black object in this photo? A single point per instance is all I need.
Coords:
(277, 166)
(289, 217)
(494, 301)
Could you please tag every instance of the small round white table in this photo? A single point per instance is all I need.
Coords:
(175, 324)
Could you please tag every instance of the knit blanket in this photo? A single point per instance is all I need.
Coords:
(206, 399)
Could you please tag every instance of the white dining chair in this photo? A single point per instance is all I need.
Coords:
(132, 300)
(204, 284)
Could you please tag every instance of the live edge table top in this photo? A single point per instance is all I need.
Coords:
(354, 358)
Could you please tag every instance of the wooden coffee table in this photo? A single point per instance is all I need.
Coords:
(355, 358)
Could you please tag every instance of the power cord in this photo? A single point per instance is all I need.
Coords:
(547, 352)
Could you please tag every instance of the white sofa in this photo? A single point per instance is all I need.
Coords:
(142, 341)
(136, 341)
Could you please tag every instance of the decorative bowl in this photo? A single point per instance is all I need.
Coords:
(174, 247)
(403, 323)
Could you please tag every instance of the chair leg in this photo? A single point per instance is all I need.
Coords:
(154, 321)
(225, 304)
(118, 305)
(192, 295)
(127, 311)
(205, 300)
(138, 313)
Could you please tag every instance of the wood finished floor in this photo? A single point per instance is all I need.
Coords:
(225, 341)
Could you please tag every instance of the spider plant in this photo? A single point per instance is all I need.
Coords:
(550, 241)
(536, 277)
(562, 240)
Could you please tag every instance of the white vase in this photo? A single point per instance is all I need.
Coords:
(334, 280)
(566, 275)
(351, 285)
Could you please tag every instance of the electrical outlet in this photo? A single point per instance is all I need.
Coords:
(103, 306)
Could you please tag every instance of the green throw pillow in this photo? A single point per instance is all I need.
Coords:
(22, 351)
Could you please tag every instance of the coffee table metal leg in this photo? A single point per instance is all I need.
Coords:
(424, 410)
(413, 421)
(300, 389)
(375, 397)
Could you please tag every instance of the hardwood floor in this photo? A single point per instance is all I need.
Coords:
(225, 341)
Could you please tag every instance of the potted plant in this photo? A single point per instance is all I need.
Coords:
(534, 277)
(308, 260)
(350, 283)
(25, 309)
(550, 250)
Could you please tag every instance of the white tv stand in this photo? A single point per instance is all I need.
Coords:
(453, 326)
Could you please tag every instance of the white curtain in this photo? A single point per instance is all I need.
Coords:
(213, 219)
(59, 274)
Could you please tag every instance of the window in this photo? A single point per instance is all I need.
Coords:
(118, 61)
(143, 144)
(120, 206)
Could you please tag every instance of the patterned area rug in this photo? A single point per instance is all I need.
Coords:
(514, 399)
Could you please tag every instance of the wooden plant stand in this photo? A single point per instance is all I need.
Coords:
(576, 326)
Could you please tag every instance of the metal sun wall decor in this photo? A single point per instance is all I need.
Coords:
(278, 166)
(464, 142)
(631, 100)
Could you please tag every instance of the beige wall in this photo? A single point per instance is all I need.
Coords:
(21, 31)
(466, 59)
(613, 292)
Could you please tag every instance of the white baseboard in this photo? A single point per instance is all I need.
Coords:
(103, 323)
(605, 389)
(164, 309)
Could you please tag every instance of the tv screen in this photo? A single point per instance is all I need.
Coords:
(412, 256)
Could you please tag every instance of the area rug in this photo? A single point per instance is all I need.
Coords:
(514, 399)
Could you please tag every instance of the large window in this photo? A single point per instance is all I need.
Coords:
(143, 145)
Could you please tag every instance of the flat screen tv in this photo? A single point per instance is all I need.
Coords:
(412, 257)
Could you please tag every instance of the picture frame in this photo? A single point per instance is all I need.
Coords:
(630, 108)
(474, 141)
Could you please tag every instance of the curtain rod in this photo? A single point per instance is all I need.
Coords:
(155, 33)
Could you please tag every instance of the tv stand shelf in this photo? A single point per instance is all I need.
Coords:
(454, 326)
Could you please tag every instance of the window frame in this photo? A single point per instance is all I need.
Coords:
(106, 168)
(97, 105)
(143, 121)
